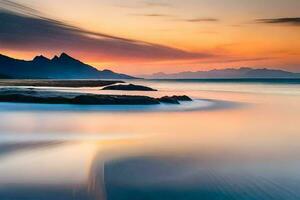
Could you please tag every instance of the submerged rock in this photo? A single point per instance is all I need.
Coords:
(85, 99)
(114, 100)
(129, 87)
(182, 98)
(167, 99)
(174, 99)
(50, 97)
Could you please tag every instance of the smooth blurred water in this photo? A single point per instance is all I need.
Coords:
(240, 140)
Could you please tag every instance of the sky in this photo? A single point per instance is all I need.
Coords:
(149, 36)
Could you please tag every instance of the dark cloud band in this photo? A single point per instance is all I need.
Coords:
(202, 20)
(25, 31)
(288, 20)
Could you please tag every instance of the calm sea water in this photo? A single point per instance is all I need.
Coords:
(238, 140)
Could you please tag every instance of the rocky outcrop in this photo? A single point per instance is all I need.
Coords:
(129, 87)
(46, 97)
(174, 99)
(182, 98)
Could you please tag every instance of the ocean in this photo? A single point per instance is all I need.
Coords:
(238, 140)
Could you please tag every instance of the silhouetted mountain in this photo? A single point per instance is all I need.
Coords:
(62, 67)
(227, 73)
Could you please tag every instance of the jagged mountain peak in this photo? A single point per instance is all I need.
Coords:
(64, 55)
(59, 67)
(65, 58)
(41, 58)
(55, 58)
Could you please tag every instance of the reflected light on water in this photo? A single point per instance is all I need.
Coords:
(248, 152)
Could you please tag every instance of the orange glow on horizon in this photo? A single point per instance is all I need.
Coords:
(232, 40)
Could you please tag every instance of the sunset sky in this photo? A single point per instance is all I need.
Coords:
(143, 36)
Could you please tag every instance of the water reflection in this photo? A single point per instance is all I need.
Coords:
(102, 170)
(41, 170)
(164, 178)
(242, 153)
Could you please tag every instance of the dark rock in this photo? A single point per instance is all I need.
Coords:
(21, 98)
(54, 97)
(32, 96)
(182, 98)
(167, 99)
(114, 100)
(85, 99)
(4, 76)
(174, 99)
(129, 87)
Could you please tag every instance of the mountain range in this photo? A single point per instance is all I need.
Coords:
(59, 67)
(230, 73)
(66, 67)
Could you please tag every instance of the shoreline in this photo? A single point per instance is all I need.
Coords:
(57, 83)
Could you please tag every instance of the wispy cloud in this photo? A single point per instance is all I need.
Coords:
(156, 4)
(17, 7)
(27, 30)
(146, 5)
(221, 59)
(151, 15)
(201, 20)
(295, 21)
(234, 60)
(177, 18)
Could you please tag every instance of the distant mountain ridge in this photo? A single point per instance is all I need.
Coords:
(228, 73)
(59, 67)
